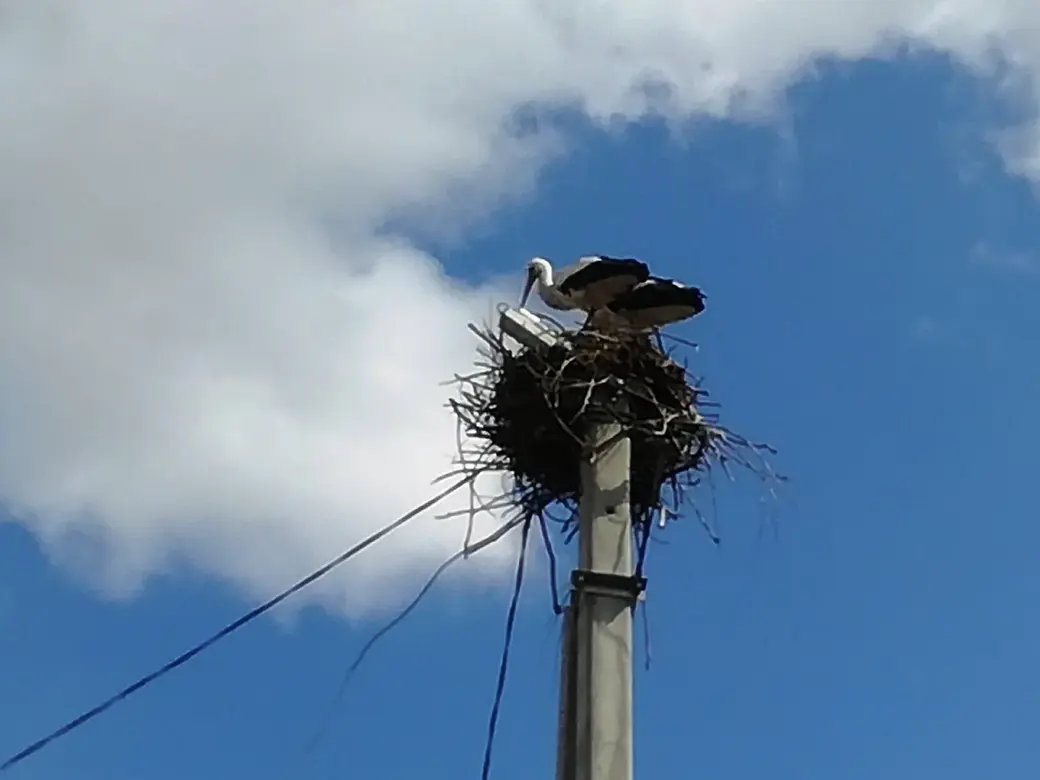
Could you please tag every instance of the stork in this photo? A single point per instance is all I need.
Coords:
(589, 284)
(652, 304)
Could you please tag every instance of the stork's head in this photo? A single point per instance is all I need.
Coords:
(538, 269)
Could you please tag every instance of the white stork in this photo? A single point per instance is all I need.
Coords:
(589, 284)
(652, 304)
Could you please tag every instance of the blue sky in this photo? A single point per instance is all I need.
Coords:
(871, 282)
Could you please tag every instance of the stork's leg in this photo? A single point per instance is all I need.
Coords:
(598, 320)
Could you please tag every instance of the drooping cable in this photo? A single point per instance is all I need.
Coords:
(503, 666)
(268, 605)
(465, 552)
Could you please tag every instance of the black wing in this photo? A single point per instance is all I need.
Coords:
(657, 292)
(598, 268)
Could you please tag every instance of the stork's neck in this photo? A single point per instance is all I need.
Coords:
(544, 271)
(554, 297)
(546, 287)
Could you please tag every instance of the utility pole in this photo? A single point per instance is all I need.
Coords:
(596, 732)
(595, 736)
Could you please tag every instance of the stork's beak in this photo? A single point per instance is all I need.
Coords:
(528, 285)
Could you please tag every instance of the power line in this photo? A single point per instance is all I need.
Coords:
(554, 588)
(469, 549)
(183, 658)
(504, 664)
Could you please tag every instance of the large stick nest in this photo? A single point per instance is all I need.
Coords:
(528, 413)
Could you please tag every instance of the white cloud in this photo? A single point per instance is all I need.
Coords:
(191, 368)
(1018, 263)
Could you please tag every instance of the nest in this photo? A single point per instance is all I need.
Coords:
(528, 413)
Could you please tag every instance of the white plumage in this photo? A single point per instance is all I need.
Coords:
(589, 284)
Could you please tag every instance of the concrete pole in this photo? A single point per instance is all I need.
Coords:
(604, 592)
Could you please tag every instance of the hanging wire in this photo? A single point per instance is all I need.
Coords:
(326, 721)
(250, 616)
(504, 664)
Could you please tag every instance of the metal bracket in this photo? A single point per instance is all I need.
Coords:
(526, 328)
(603, 583)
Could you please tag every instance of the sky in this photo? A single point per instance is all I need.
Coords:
(239, 247)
